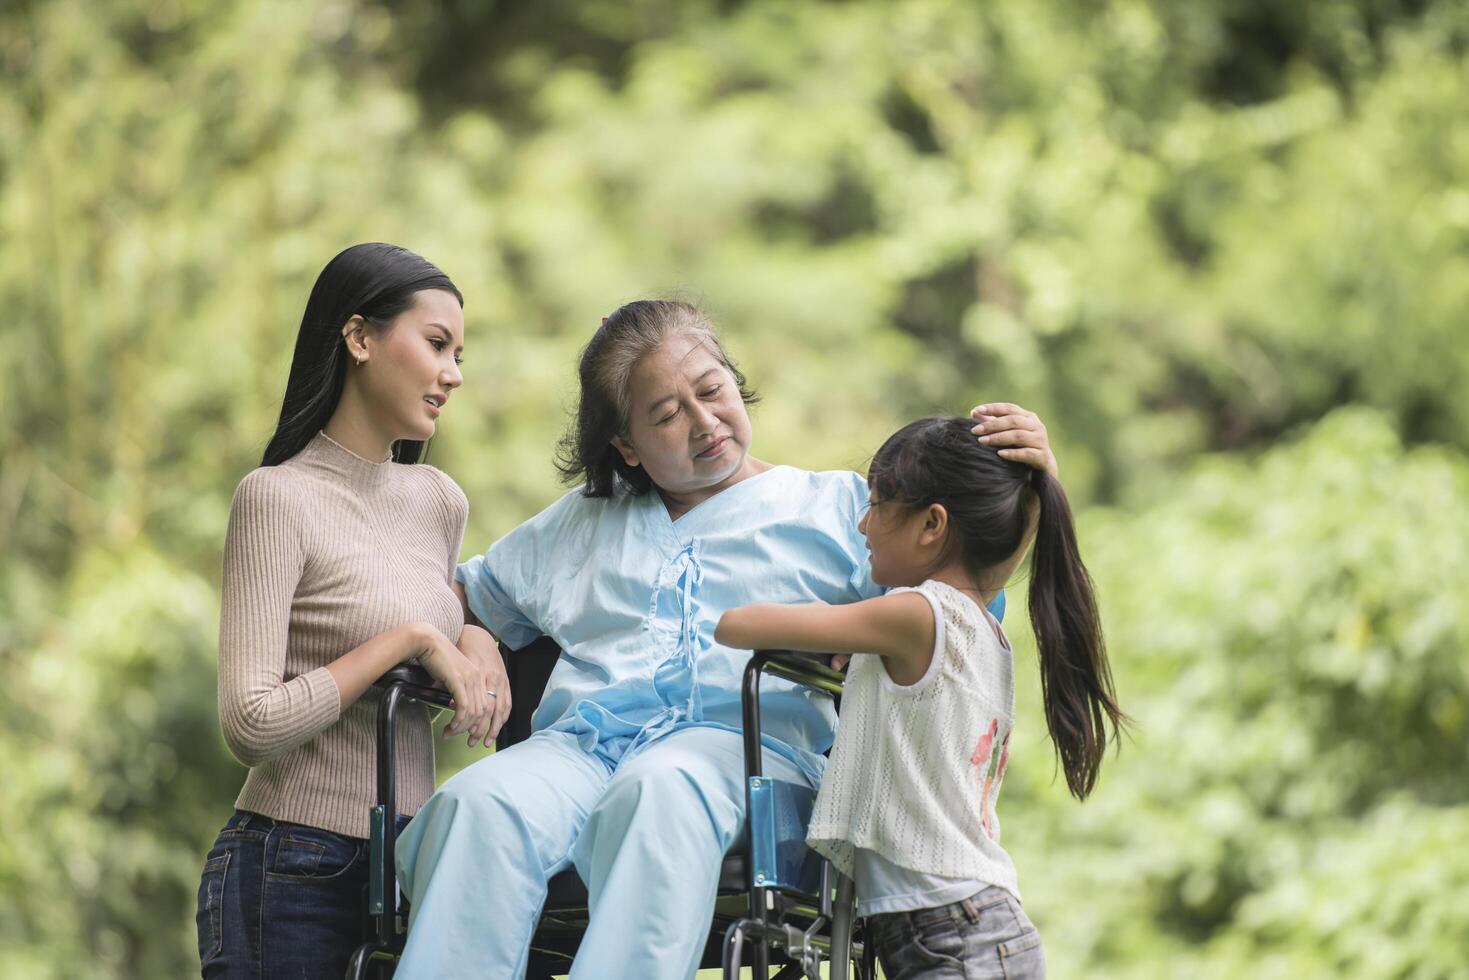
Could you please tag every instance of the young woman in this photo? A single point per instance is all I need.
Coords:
(908, 807)
(634, 774)
(337, 567)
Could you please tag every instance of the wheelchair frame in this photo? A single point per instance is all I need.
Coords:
(802, 926)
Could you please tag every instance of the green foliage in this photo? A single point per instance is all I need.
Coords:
(113, 769)
(1182, 233)
(1287, 636)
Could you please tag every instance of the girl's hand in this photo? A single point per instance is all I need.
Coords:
(480, 647)
(1016, 433)
(465, 680)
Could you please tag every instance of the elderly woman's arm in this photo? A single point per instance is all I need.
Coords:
(1021, 436)
(470, 619)
(1016, 433)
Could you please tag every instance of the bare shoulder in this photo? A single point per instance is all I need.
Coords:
(902, 623)
(907, 608)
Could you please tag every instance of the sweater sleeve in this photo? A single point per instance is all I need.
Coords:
(261, 712)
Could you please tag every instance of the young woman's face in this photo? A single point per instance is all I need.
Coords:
(893, 538)
(413, 365)
(688, 428)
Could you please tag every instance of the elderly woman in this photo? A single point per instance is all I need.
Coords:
(634, 773)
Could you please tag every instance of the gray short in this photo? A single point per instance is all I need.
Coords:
(988, 935)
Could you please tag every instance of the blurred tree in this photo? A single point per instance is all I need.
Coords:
(1290, 642)
(1172, 230)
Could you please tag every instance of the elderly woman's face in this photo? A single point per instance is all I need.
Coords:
(688, 428)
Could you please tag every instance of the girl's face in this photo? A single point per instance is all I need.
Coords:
(413, 365)
(688, 426)
(901, 550)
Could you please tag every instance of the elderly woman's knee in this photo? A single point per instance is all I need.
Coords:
(662, 784)
(665, 795)
(478, 791)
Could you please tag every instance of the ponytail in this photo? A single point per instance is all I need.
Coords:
(938, 461)
(1076, 682)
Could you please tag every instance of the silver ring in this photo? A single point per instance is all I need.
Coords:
(490, 694)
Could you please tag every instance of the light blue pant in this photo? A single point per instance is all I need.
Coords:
(647, 837)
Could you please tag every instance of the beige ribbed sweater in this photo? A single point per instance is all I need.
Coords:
(324, 552)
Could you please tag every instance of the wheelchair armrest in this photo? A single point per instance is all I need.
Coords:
(778, 811)
(811, 669)
(416, 683)
(804, 668)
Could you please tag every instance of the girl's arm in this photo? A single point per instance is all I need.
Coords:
(899, 627)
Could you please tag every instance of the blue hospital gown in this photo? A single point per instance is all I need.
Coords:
(632, 599)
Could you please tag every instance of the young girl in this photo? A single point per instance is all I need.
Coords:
(907, 806)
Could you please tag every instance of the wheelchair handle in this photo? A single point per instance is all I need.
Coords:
(418, 684)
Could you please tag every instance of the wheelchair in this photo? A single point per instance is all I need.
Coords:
(779, 906)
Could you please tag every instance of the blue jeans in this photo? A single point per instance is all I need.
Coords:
(986, 936)
(280, 900)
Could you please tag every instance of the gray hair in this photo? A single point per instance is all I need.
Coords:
(632, 332)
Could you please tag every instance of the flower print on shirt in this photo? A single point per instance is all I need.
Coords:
(992, 783)
(982, 749)
(994, 770)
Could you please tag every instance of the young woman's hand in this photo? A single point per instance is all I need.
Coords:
(480, 647)
(1016, 433)
(465, 679)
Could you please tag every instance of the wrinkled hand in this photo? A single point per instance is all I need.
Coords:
(1016, 433)
(481, 649)
(465, 681)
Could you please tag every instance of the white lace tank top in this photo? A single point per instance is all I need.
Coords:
(916, 771)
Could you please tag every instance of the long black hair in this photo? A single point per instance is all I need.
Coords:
(988, 500)
(375, 281)
(585, 454)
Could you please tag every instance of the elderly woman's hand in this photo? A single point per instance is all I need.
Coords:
(480, 648)
(1016, 433)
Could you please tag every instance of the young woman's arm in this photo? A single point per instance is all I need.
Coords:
(899, 627)
(469, 670)
(261, 713)
(483, 650)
